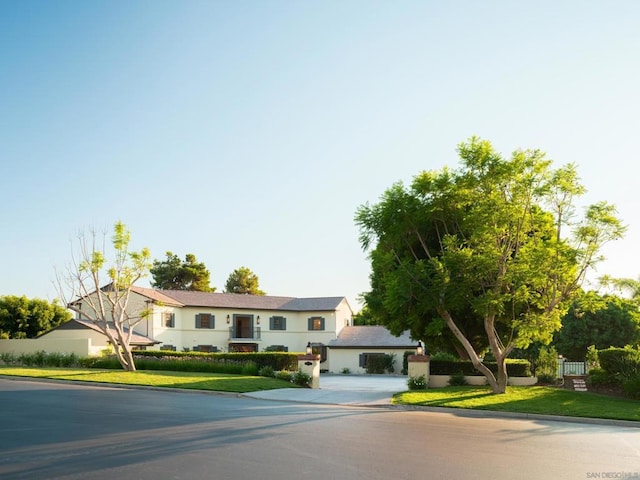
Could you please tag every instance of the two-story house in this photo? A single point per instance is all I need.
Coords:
(201, 321)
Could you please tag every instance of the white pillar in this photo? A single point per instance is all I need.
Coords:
(418, 365)
(310, 364)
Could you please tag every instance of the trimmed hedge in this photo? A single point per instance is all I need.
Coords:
(620, 362)
(275, 360)
(515, 367)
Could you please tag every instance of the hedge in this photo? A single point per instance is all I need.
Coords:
(515, 367)
(275, 360)
(619, 362)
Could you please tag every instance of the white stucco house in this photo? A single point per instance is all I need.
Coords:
(227, 322)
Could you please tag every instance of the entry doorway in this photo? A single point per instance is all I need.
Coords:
(242, 326)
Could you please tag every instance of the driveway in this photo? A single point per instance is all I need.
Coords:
(342, 390)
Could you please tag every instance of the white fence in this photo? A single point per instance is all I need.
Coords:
(571, 368)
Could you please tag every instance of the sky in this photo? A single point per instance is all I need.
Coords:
(249, 132)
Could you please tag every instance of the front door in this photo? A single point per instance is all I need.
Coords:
(243, 326)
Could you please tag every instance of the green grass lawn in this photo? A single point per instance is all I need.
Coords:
(539, 400)
(190, 380)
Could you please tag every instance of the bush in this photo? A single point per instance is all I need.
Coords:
(380, 363)
(515, 367)
(620, 362)
(301, 378)
(285, 375)
(267, 371)
(457, 380)
(249, 368)
(547, 365)
(276, 360)
(345, 371)
(42, 359)
(598, 377)
(417, 383)
(631, 386)
(547, 378)
(592, 357)
(8, 358)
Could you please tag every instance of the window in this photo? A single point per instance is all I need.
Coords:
(277, 323)
(205, 320)
(365, 358)
(166, 346)
(205, 348)
(316, 323)
(168, 319)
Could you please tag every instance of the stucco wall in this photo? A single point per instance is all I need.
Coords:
(82, 347)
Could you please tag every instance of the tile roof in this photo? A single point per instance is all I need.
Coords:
(371, 336)
(188, 298)
(78, 324)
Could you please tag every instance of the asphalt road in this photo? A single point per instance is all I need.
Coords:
(61, 431)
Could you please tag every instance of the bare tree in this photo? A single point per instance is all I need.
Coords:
(100, 291)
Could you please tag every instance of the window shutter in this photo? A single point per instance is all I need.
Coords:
(322, 323)
(310, 323)
(172, 321)
(271, 323)
(284, 323)
(212, 321)
(198, 321)
(362, 360)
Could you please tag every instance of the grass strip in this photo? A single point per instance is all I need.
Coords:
(538, 400)
(218, 382)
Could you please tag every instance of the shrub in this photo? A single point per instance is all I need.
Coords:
(598, 377)
(285, 375)
(380, 363)
(547, 365)
(620, 362)
(301, 378)
(345, 371)
(631, 386)
(267, 371)
(446, 356)
(515, 367)
(547, 378)
(8, 358)
(592, 357)
(457, 380)
(417, 383)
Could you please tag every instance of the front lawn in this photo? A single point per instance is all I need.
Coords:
(539, 400)
(190, 380)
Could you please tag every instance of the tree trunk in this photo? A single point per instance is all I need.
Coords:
(494, 382)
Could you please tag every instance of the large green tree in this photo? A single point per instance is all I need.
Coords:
(22, 317)
(481, 254)
(603, 321)
(243, 280)
(174, 274)
(100, 289)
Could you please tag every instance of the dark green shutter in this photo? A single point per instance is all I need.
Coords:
(198, 321)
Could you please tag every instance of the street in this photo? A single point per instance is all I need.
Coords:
(63, 431)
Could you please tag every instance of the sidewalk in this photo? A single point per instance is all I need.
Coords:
(341, 390)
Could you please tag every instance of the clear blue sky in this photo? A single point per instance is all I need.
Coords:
(248, 132)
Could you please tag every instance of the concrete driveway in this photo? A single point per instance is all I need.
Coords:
(342, 390)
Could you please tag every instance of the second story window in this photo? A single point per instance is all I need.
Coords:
(277, 323)
(316, 323)
(168, 319)
(205, 320)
